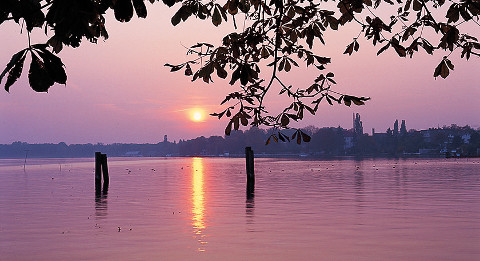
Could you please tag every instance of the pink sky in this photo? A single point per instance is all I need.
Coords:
(119, 90)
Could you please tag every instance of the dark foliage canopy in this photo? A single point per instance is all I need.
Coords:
(277, 36)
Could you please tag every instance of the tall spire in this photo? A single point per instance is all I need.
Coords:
(357, 125)
(403, 129)
(395, 128)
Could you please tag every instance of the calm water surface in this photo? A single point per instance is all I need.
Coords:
(198, 209)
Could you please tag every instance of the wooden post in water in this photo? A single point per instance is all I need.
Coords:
(250, 169)
(98, 170)
(106, 179)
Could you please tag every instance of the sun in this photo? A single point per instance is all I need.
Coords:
(197, 115)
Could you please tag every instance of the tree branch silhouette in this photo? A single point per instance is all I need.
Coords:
(277, 35)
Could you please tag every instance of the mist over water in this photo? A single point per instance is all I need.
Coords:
(198, 209)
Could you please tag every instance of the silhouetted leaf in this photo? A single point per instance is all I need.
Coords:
(288, 66)
(450, 37)
(427, 46)
(453, 13)
(228, 129)
(31, 12)
(15, 72)
(123, 10)
(221, 72)
(275, 138)
(216, 17)
(244, 121)
(357, 101)
(466, 51)
(236, 122)
(305, 137)
(407, 5)
(188, 70)
(328, 100)
(13, 61)
(177, 17)
(264, 53)
(140, 8)
(174, 68)
(169, 3)
(312, 111)
(417, 5)
(323, 60)
(449, 64)
(398, 48)
(284, 120)
(38, 77)
(284, 137)
(349, 49)
(56, 44)
(465, 15)
(442, 70)
(53, 65)
(295, 135)
(281, 65)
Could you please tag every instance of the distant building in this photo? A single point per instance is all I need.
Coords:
(427, 135)
(165, 139)
(395, 128)
(348, 143)
(357, 125)
(403, 129)
(133, 154)
(428, 151)
(389, 132)
(378, 135)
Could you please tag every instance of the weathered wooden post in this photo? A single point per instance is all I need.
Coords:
(106, 179)
(98, 170)
(250, 171)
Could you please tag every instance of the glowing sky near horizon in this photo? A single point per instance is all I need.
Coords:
(119, 90)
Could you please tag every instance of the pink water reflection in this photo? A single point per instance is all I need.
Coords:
(198, 203)
(196, 209)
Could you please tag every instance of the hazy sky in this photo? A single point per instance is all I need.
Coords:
(119, 90)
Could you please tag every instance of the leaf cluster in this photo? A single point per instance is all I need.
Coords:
(69, 22)
(45, 70)
(282, 34)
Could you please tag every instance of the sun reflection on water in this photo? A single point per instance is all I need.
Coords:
(198, 203)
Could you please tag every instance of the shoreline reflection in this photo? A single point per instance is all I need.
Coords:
(198, 203)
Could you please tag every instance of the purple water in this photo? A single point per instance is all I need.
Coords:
(197, 209)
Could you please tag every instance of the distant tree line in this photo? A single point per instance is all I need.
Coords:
(326, 142)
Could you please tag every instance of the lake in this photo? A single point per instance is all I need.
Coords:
(198, 209)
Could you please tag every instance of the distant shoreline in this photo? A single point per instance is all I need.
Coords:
(277, 156)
